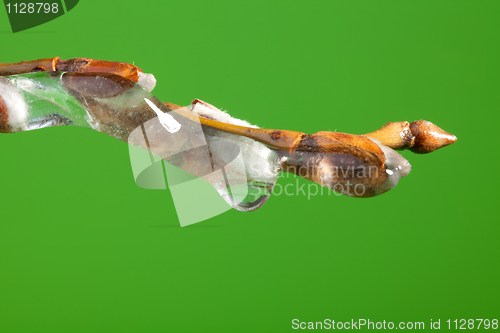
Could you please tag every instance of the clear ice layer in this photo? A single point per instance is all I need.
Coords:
(242, 170)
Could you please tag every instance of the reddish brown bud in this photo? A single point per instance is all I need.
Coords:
(429, 137)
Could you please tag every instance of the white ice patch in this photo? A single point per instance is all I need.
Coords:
(212, 112)
(16, 105)
(147, 81)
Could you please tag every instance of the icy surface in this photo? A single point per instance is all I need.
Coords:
(16, 105)
(397, 168)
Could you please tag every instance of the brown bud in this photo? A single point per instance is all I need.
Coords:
(429, 137)
(86, 65)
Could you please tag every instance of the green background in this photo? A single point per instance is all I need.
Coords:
(83, 249)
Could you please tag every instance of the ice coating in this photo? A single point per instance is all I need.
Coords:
(16, 105)
(261, 162)
(242, 164)
(222, 159)
(396, 165)
(261, 166)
